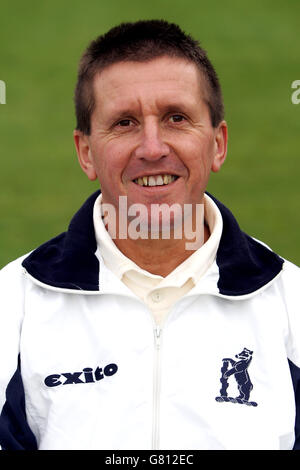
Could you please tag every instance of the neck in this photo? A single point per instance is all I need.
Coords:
(159, 256)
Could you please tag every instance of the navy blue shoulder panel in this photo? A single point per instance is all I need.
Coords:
(295, 373)
(245, 265)
(68, 261)
(15, 433)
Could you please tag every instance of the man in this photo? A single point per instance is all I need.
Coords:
(146, 325)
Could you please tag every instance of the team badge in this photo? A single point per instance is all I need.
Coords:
(239, 370)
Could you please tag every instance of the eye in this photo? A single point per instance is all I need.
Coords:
(177, 118)
(125, 123)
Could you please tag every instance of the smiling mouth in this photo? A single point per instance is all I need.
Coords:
(155, 180)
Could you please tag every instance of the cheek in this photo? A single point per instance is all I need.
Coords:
(109, 161)
(198, 161)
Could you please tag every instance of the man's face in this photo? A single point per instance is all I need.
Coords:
(151, 135)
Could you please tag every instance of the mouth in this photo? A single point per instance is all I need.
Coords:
(155, 180)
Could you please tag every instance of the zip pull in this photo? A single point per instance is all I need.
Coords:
(157, 335)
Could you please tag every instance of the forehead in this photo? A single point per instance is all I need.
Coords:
(163, 80)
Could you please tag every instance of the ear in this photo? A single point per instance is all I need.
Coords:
(83, 149)
(221, 138)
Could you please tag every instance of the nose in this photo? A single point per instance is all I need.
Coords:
(151, 146)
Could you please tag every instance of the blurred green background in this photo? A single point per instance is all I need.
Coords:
(255, 47)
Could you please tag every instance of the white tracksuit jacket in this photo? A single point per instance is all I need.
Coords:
(82, 367)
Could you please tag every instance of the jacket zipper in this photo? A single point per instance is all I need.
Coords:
(156, 387)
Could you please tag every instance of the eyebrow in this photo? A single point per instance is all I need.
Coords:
(128, 111)
(178, 107)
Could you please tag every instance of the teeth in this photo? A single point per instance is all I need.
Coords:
(151, 181)
(158, 180)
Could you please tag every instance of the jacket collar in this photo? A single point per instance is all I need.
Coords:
(68, 261)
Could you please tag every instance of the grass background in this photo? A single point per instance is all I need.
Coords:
(255, 49)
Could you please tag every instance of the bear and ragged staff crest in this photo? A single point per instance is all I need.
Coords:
(239, 369)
